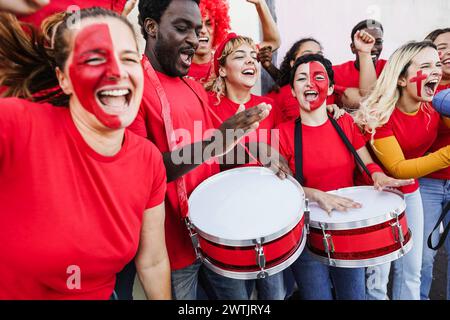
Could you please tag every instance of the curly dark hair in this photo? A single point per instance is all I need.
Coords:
(285, 68)
(154, 9)
(310, 58)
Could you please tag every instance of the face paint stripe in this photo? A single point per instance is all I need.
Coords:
(419, 78)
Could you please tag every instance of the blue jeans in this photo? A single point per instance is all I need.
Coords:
(435, 195)
(223, 288)
(185, 282)
(316, 280)
(406, 277)
(270, 288)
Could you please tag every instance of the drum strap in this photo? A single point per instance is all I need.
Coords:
(169, 130)
(298, 145)
(445, 234)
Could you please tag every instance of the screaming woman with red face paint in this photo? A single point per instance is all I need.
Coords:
(80, 194)
(327, 164)
(403, 125)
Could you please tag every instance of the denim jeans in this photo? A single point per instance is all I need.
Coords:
(435, 194)
(406, 271)
(185, 282)
(316, 280)
(270, 288)
(223, 288)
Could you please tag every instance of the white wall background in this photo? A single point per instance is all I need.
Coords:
(331, 22)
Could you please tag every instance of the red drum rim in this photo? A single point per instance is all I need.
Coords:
(371, 259)
(362, 223)
(244, 274)
(264, 238)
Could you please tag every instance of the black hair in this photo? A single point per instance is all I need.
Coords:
(436, 33)
(285, 67)
(310, 58)
(154, 9)
(366, 24)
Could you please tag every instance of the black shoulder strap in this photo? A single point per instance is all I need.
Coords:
(349, 145)
(445, 234)
(298, 146)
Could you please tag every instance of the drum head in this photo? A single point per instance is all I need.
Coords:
(245, 204)
(376, 207)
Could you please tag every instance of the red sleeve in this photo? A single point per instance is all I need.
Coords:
(139, 125)
(384, 131)
(159, 181)
(352, 131)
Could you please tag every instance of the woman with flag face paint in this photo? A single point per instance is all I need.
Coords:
(89, 194)
(327, 165)
(403, 125)
(434, 188)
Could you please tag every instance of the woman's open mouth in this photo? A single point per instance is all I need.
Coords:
(114, 100)
(430, 87)
(311, 95)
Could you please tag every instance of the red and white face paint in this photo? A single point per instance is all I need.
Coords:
(95, 75)
(424, 75)
(311, 85)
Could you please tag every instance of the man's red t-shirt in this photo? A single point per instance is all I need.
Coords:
(191, 118)
(443, 140)
(56, 6)
(347, 76)
(64, 207)
(287, 105)
(200, 72)
(327, 163)
(414, 133)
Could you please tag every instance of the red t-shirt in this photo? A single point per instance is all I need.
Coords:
(443, 140)
(62, 204)
(56, 6)
(227, 108)
(414, 133)
(327, 163)
(287, 105)
(347, 76)
(200, 72)
(190, 115)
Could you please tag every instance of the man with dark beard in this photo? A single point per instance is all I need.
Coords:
(172, 105)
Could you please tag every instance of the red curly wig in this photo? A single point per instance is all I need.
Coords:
(220, 19)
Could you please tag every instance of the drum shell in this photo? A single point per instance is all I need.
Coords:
(369, 244)
(243, 259)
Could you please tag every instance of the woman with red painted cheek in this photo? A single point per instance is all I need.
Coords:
(434, 188)
(327, 165)
(403, 125)
(89, 195)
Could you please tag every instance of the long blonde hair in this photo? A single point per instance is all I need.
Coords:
(377, 108)
(216, 84)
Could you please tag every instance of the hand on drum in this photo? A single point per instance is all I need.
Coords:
(382, 181)
(241, 124)
(330, 202)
